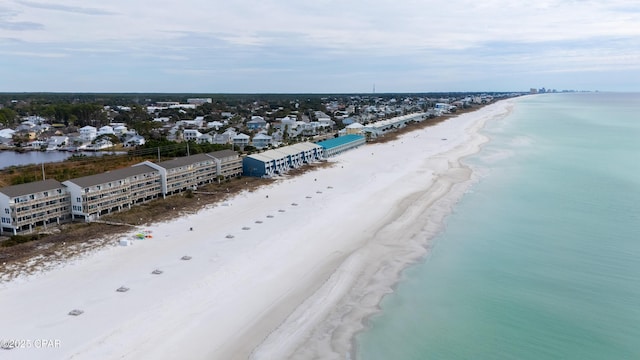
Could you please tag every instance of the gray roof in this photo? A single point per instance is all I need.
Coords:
(30, 188)
(287, 151)
(262, 157)
(113, 175)
(304, 146)
(223, 154)
(185, 160)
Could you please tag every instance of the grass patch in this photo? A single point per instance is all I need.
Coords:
(20, 239)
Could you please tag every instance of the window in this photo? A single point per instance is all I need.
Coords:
(6, 211)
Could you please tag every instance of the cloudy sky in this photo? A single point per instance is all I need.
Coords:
(320, 46)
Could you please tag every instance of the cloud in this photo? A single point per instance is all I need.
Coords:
(294, 43)
(20, 25)
(65, 8)
(6, 21)
(35, 54)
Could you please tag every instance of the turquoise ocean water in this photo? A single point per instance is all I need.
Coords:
(541, 259)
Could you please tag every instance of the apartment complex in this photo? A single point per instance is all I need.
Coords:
(228, 163)
(26, 206)
(117, 190)
(40, 203)
(192, 171)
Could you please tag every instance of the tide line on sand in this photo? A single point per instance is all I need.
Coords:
(325, 324)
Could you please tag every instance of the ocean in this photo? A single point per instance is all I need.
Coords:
(541, 258)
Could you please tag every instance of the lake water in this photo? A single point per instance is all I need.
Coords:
(12, 158)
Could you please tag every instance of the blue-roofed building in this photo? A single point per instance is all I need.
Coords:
(337, 145)
(279, 161)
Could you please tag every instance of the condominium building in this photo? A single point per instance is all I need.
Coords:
(100, 194)
(228, 163)
(39, 203)
(27, 206)
(184, 173)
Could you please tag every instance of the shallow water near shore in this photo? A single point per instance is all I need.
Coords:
(541, 258)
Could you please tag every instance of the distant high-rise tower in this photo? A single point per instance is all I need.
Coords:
(374, 88)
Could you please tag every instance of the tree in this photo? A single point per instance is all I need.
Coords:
(7, 117)
(20, 139)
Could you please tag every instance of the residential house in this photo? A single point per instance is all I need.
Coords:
(134, 140)
(105, 130)
(100, 144)
(241, 140)
(355, 128)
(26, 126)
(7, 133)
(221, 139)
(256, 123)
(321, 116)
(120, 130)
(214, 125)
(191, 134)
(57, 142)
(38, 144)
(261, 140)
(288, 123)
(348, 121)
(174, 133)
(88, 133)
(205, 139)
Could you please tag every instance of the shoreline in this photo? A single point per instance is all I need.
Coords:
(361, 300)
(275, 287)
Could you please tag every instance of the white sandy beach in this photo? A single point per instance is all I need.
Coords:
(294, 285)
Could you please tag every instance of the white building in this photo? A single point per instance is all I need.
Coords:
(205, 139)
(106, 130)
(7, 133)
(241, 140)
(355, 128)
(191, 134)
(25, 206)
(57, 142)
(88, 133)
(261, 140)
(199, 101)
